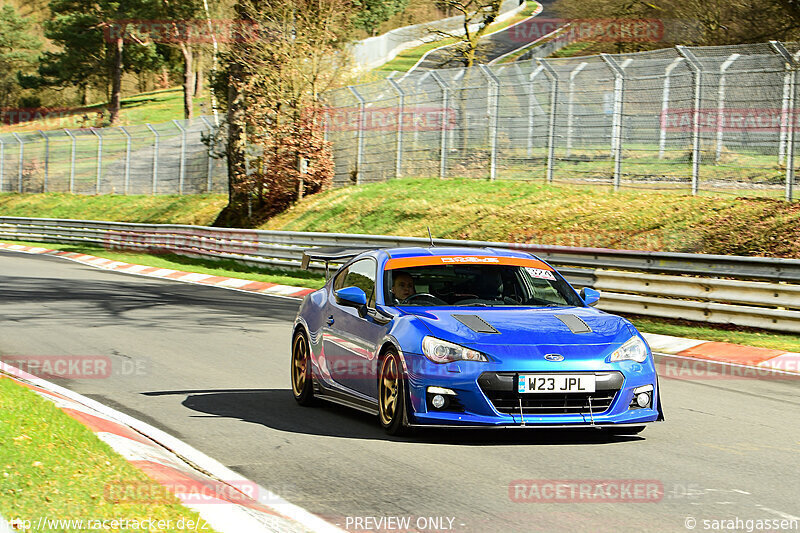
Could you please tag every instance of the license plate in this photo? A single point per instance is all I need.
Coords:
(556, 383)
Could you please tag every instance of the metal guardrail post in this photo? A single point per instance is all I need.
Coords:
(571, 106)
(443, 129)
(791, 65)
(401, 95)
(721, 103)
(210, 168)
(182, 171)
(551, 126)
(155, 157)
(127, 178)
(71, 162)
(494, 81)
(662, 140)
(616, 119)
(99, 159)
(46, 159)
(697, 74)
(21, 156)
(531, 102)
(362, 118)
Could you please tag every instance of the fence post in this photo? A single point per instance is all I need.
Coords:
(362, 117)
(182, 171)
(401, 95)
(71, 162)
(721, 102)
(46, 159)
(495, 83)
(443, 128)
(571, 105)
(210, 168)
(99, 159)
(127, 179)
(791, 65)
(662, 140)
(697, 74)
(155, 157)
(2, 161)
(21, 156)
(616, 119)
(551, 126)
(531, 101)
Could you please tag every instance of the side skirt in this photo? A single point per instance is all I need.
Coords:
(343, 398)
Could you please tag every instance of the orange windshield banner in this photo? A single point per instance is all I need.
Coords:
(435, 260)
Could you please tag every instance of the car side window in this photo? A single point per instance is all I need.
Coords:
(361, 274)
(341, 277)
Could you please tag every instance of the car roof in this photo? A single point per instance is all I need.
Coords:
(437, 251)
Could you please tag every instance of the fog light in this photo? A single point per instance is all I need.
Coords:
(643, 399)
(438, 401)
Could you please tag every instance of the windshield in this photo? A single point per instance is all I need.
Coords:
(484, 285)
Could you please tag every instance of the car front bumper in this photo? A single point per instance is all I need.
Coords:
(475, 403)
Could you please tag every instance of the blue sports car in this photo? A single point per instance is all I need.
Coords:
(469, 338)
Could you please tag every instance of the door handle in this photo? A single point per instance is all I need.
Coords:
(330, 320)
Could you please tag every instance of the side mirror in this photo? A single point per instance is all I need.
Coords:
(353, 297)
(590, 296)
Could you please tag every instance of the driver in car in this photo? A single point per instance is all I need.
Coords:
(403, 286)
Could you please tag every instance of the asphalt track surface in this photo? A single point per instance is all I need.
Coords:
(210, 366)
(491, 46)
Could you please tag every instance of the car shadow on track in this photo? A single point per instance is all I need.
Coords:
(276, 409)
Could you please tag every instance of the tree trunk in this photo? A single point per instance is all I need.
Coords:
(188, 82)
(84, 89)
(235, 213)
(115, 101)
(198, 78)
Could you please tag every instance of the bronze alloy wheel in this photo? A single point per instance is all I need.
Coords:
(391, 395)
(302, 388)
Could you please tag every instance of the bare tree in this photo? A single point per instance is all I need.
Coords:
(478, 15)
(285, 56)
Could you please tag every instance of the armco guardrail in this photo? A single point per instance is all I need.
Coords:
(758, 292)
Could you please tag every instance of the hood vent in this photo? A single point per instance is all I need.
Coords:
(475, 323)
(574, 323)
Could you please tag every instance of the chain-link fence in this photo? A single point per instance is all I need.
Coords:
(176, 157)
(688, 118)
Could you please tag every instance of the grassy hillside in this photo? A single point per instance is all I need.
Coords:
(198, 209)
(504, 211)
(554, 214)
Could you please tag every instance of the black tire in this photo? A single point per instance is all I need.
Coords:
(392, 395)
(630, 430)
(302, 385)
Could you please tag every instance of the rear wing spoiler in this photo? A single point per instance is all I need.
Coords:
(329, 255)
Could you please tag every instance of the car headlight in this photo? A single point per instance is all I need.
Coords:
(634, 349)
(440, 351)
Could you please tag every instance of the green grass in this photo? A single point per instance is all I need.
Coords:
(200, 210)
(694, 330)
(408, 58)
(54, 467)
(214, 267)
(153, 107)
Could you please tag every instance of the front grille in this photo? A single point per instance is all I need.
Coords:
(501, 389)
